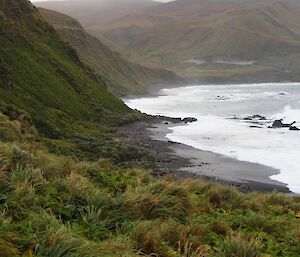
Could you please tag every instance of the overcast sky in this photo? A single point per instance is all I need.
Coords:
(112, 0)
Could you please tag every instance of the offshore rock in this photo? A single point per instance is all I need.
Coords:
(189, 120)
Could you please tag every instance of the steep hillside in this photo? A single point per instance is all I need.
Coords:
(53, 205)
(120, 76)
(211, 38)
(42, 75)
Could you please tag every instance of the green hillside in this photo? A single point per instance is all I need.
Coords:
(91, 198)
(44, 76)
(120, 76)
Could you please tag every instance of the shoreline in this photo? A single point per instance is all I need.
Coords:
(182, 161)
(152, 90)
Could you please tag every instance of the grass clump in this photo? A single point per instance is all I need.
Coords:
(160, 199)
(239, 246)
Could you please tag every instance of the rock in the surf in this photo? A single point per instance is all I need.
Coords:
(189, 120)
(280, 124)
(294, 128)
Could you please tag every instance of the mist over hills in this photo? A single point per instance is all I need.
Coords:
(210, 40)
(121, 77)
(94, 12)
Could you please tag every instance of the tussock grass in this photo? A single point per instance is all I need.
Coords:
(159, 199)
(240, 246)
(55, 206)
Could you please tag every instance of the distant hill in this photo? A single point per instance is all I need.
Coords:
(210, 40)
(95, 12)
(213, 38)
(121, 77)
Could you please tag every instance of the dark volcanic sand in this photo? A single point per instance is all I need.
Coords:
(182, 161)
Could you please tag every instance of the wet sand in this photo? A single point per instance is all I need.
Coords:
(182, 161)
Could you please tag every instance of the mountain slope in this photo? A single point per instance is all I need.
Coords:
(211, 38)
(120, 76)
(43, 76)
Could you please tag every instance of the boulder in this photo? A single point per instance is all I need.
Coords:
(294, 128)
(255, 126)
(280, 124)
(255, 117)
(222, 98)
(189, 120)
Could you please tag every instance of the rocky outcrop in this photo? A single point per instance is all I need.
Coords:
(189, 120)
(222, 98)
(280, 124)
(254, 126)
(294, 128)
(255, 117)
(177, 120)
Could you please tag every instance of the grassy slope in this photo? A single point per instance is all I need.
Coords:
(46, 72)
(56, 207)
(167, 35)
(120, 76)
(42, 75)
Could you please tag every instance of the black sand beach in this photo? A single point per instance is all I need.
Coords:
(182, 161)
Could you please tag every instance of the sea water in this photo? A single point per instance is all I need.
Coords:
(223, 127)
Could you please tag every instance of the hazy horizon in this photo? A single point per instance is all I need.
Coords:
(34, 1)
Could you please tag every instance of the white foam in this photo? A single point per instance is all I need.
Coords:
(289, 115)
(277, 148)
(273, 148)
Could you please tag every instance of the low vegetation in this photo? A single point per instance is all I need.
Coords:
(45, 77)
(56, 206)
(68, 103)
(69, 188)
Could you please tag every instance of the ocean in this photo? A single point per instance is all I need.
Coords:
(226, 124)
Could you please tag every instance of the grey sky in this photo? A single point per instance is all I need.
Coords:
(63, 0)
